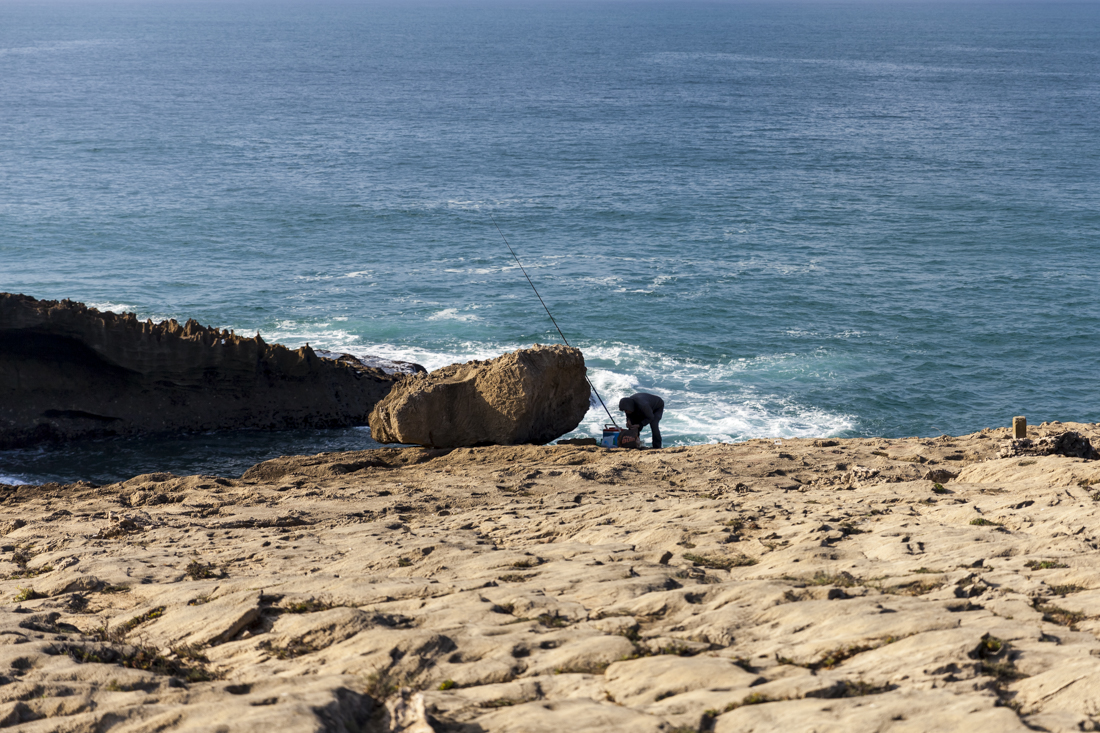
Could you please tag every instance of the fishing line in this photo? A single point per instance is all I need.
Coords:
(563, 338)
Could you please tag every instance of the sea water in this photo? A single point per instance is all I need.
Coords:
(787, 219)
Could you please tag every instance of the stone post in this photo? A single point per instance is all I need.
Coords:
(1019, 427)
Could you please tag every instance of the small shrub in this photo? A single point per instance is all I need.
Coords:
(446, 684)
(857, 688)
(995, 660)
(553, 621)
(516, 577)
(145, 658)
(938, 489)
(139, 620)
(754, 699)
(1060, 616)
(1003, 670)
(1065, 590)
(717, 562)
(197, 570)
(678, 649)
(840, 580)
(1044, 564)
(983, 522)
(308, 606)
(522, 564)
(989, 646)
(832, 658)
(404, 562)
(27, 594)
(915, 588)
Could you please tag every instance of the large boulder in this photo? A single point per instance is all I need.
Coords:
(69, 371)
(528, 396)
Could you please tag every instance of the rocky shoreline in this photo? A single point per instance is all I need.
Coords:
(69, 372)
(870, 584)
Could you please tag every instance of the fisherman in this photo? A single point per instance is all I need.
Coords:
(644, 409)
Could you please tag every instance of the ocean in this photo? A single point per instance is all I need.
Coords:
(788, 219)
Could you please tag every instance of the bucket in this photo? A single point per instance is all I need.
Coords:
(610, 437)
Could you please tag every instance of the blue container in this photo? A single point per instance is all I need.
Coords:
(611, 435)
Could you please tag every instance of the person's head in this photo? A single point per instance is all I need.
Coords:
(626, 404)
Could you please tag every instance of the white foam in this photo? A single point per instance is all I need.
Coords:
(452, 314)
(12, 480)
(730, 399)
(118, 308)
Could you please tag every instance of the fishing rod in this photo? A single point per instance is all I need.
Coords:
(563, 338)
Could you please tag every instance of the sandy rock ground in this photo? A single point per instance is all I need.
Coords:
(807, 585)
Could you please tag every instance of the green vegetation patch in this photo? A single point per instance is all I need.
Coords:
(983, 522)
(719, 562)
(27, 594)
(754, 699)
(1044, 564)
(1057, 615)
(841, 579)
(197, 570)
(995, 659)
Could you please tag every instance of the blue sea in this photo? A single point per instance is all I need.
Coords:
(788, 219)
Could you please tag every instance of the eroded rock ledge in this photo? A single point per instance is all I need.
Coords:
(815, 585)
(69, 371)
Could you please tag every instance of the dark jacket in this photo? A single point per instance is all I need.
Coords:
(645, 409)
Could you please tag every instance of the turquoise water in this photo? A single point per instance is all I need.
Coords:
(787, 219)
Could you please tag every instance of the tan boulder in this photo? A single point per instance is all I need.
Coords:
(528, 396)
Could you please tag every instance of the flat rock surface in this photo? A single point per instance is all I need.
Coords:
(804, 585)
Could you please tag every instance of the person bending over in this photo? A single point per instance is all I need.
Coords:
(644, 409)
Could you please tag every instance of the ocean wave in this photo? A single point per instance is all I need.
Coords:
(725, 399)
(452, 314)
(117, 308)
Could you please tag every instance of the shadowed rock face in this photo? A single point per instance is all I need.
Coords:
(68, 371)
(527, 396)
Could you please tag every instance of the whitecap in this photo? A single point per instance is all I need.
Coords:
(118, 308)
(452, 314)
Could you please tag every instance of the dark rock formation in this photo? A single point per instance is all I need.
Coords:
(68, 371)
(529, 396)
(1070, 443)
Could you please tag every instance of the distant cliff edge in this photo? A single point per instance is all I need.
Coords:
(69, 371)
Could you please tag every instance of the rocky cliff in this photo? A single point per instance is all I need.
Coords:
(69, 371)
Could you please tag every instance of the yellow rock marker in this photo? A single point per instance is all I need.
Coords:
(1019, 427)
